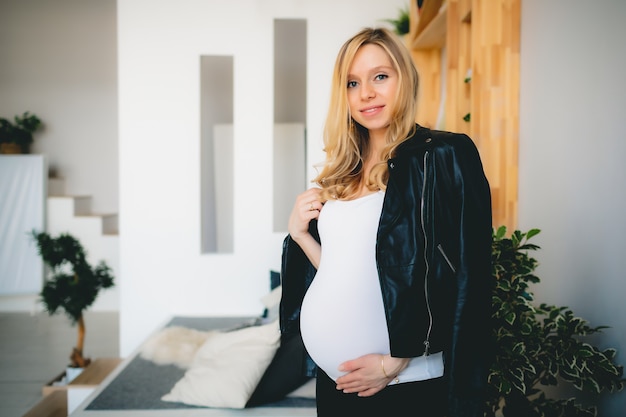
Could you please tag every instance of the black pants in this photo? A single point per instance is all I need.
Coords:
(415, 399)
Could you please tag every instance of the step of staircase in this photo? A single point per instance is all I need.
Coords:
(97, 232)
(80, 206)
(105, 224)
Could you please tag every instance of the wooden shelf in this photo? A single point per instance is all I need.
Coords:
(95, 373)
(53, 405)
(433, 36)
(91, 377)
(55, 397)
(467, 18)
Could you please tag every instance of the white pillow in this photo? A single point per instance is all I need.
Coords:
(271, 301)
(228, 367)
(174, 345)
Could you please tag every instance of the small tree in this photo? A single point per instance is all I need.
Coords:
(540, 346)
(72, 285)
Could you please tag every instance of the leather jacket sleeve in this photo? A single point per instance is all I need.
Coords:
(437, 226)
(297, 273)
(470, 352)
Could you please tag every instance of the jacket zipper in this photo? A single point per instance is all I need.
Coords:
(443, 253)
(430, 314)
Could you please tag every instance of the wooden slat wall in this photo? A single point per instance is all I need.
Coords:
(495, 100)
(427, 60)
(428, 63)
(483, 35)
(459, 56)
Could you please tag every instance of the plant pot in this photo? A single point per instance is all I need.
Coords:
(71, 373)
(91, 376)
(62, 380)
(10, 148)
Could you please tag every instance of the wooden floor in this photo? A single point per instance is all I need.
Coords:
(35, 348)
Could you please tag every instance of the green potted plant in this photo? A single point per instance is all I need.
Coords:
(72, 285)
(540, 346)
(402, 23)
(17, 136)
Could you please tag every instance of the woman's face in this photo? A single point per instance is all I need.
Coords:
(372, 85)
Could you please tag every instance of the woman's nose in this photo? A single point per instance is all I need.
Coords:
(367, 91)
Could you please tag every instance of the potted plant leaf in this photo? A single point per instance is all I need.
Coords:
(539, 347)
(72, 285)
(401, 24)
(17, 136)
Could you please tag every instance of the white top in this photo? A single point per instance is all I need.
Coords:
(343, 316)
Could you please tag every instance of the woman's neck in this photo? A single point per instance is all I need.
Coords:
(377, 139)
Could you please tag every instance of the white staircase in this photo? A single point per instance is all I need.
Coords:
(98, 233)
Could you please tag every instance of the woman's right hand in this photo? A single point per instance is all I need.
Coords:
(306, 208)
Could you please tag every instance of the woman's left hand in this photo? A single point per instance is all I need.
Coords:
(365, 376)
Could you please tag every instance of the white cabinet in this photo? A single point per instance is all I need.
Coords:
(22, 209)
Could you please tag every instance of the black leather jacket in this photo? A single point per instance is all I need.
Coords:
(433, 256)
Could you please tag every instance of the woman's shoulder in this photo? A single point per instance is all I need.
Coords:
(451, 138)
(424, 138)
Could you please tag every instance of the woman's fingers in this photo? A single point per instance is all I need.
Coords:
(363, 376)
(306, 208)
(363, 388)
(310, 199)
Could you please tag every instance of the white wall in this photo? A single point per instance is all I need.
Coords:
(163, 272)
(59, 61)
(572, 171)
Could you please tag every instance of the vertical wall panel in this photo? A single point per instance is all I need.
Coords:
(289, 170)
(216, 198)
(290, 80)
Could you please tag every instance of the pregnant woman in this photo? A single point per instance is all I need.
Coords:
(386, 269)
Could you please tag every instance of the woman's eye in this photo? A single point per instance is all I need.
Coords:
(381, 77)
(351, 84)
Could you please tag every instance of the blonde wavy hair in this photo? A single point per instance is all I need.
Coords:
(345, 141)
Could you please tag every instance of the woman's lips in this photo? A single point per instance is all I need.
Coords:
(372, 110)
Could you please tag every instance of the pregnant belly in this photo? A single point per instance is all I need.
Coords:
(342, 322)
